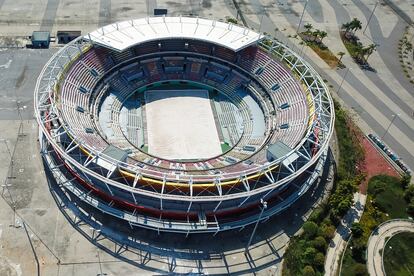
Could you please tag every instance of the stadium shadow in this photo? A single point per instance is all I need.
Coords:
(167, 253)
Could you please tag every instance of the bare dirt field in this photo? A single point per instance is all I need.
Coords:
(181, 124)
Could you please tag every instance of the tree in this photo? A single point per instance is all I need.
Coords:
(319, 260)
(328, 231)
(410, 209)
(315, 34)
(310, 228)
(308, 27)
(322, 35)
(360, 269)
(341, 55)
(357, 230)
(409, 193)
(355, 25)
(359, 51)
(308, 271)
(347, 26)
(320, 243)
(309, 255)
(358, 251)
(405, 180)
(343, 206)
(369, 50)
(378, 187)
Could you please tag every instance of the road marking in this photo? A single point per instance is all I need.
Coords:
(6, 65)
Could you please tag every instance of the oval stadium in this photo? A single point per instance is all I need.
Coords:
(182, 124)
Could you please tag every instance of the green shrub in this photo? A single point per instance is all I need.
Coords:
(232, 20)
(328, 231)
(320, 244)
(308, 255)
(357, 230)
(348, 144)
(358, 251)
(405, 180)
(409, 193)
(410, 208)
(308, 271)
(319, 261)
(310, 229)
(360, 270)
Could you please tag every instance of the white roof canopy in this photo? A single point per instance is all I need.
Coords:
(123, 35)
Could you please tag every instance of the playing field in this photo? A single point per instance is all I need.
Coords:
(181, 125)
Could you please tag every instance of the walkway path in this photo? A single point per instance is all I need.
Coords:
(374, 98)
(377, 241)
(338, 243)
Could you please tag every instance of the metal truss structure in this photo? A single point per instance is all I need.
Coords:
(184, 202)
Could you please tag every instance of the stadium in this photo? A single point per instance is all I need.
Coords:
(182, 124)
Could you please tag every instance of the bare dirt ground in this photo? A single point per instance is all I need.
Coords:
(181, 124)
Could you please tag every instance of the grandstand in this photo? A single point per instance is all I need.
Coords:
(182, 124)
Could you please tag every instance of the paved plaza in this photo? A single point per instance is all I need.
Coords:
(45, 234)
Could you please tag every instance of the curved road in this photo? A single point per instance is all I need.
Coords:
(377, 241)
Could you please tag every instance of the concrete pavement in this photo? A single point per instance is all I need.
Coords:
(338, 244)
(378, 239)
(372, 97)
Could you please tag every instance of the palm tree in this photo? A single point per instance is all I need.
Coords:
(347, 26)
(341, 55)
(308, 27)
(356, 24)
(322, 35)
(359, 51)
(369, 50)
(315, 34)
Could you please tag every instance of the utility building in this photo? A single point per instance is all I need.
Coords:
(40, 39)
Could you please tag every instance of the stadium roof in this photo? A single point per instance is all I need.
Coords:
(123, 35)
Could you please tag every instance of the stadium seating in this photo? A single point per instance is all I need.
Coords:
(123, 123)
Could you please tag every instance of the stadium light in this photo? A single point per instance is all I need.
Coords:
(301, 17)
(262, 208)
(19, 112)
(343, 79)
(261, 19)
(392, 121)
(369, 19)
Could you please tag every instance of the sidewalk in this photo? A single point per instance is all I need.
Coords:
(338, 243)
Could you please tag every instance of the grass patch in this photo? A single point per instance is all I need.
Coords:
(353, 152)
(385, 196)
(353, 48)
(325, 54)
(388, 194)
(399, 255)
(322, 51)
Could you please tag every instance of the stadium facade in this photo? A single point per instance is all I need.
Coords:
(97, 101)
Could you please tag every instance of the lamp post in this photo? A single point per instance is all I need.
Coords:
(261, 19)
(301, 17)
(392, 121)
(262, 208)
(343, 79)
(19, 112)
(6, 185)
(369, 19)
